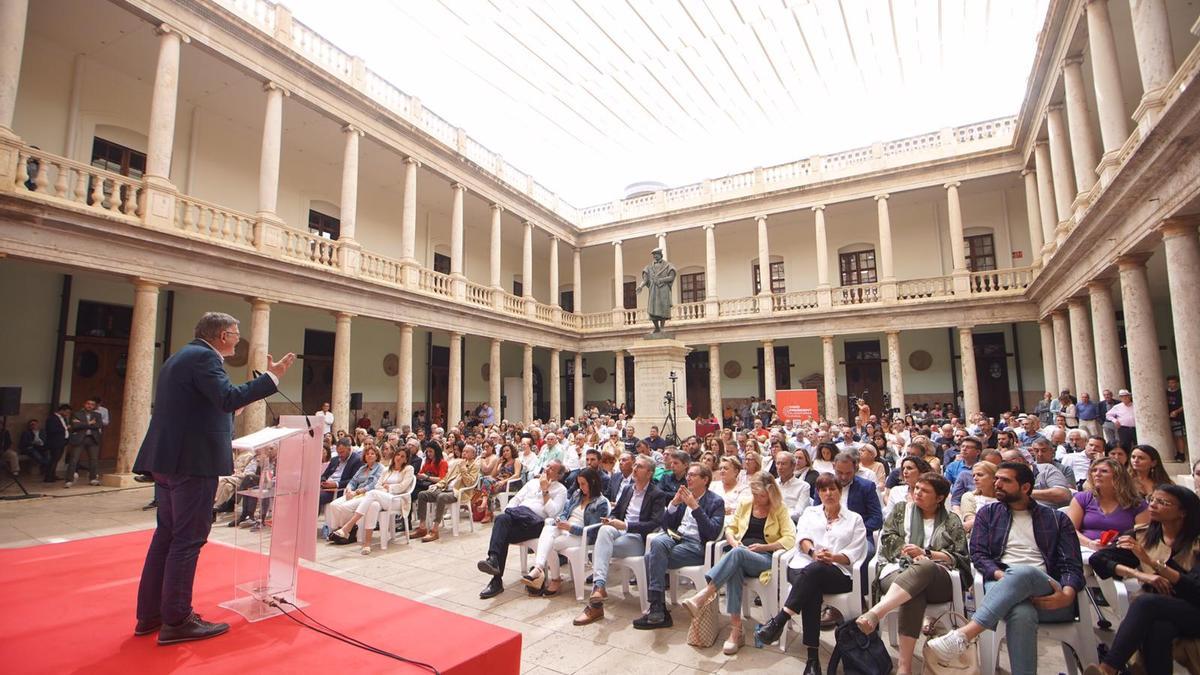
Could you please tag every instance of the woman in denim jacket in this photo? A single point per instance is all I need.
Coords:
(583, 510)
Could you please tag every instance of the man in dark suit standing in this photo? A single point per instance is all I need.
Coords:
(188, 445)
(57, 430)
(86, 429)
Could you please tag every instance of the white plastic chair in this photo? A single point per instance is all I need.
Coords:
(891, 622)
(631, 566)
(387, 522)
(693, 573)
(460, 504)
(577, 556)
(503, 497)
(1076, 636)
(849, 604)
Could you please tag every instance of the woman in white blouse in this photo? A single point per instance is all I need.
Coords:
(911, 468)
(823, 461)
(831, 542)
(393, 491)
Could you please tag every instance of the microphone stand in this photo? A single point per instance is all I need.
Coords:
(311, 433)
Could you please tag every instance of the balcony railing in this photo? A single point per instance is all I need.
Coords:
(513, 305)
(68, 181)
(687, 311)
(433, 282)
(478, 294)
(796, 301)
(1014, 280)
(738, 306)
(856, 295)
(381, 269)
(210, 221)
(919, 289)
(310, 248)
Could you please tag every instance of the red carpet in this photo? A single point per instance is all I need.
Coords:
(69, 608)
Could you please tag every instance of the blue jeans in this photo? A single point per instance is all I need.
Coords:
(1008, 599)
(732, 569)
(613, 542)
(665, 554)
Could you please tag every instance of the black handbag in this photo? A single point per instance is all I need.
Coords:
(857, 652)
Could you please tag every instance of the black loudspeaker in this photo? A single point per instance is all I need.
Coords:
(355, 400)
(10, 401)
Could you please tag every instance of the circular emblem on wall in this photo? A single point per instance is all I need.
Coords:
(599, 375)
(485, 371)
(241, 353)
(732, 369)
(391, 365)
(920, 360)
(994, 371)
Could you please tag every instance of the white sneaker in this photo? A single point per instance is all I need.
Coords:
(75, 477)
(949, 646)
(67, 484)
(95, 482)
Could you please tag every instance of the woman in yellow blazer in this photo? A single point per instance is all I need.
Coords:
(760, 526)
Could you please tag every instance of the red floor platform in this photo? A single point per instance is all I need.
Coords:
(69, 608)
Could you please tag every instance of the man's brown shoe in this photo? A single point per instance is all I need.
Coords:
(432, 536)
(419, 533)
(598, 596)
(830, 617)
(591, 614)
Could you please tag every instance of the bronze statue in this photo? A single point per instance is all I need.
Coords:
(659, 278)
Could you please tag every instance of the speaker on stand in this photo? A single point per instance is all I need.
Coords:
(10, 406)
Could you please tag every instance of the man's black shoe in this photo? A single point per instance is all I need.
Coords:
(194, 628)
(657, 617)
(813, 667)
(147, 626)
(769, 632)
(495, 587)
(144, 478)
(490, 566)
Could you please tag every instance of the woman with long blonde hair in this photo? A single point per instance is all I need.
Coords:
(1109, 501)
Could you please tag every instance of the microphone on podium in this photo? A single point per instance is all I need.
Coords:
(311, 433)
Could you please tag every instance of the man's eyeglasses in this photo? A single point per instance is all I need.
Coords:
(231, 332)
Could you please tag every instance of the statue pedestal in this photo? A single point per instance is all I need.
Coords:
(653, 362)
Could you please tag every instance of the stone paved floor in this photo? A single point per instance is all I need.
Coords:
(443, 574)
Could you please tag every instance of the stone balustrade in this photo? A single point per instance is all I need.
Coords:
(208, 221)
(309, 249)
(69, 182)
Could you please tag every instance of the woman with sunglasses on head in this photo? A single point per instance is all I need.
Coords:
(1162, 556)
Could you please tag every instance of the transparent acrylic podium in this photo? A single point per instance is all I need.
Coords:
(288, 492)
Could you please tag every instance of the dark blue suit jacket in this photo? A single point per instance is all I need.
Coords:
(654, 502)
(55, 434)
(191, 430)
(864, 500)
(710, 516)
(353, 463)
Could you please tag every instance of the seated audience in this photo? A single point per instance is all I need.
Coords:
(520, 521)
(983, 494)
(1051, 486)
(340, 470)
(795, 491)
(464, 475)
(830, 542)
(911, 469)
(340, 510)
(730, 487)
(1031, 566)
(696, 516)
(921, 541)
(583, 509)
(1109, 501)
(823, 461)
(391, 492)
(1146, 469)
(761, 526)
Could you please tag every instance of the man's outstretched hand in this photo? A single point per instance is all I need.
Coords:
(278, 368)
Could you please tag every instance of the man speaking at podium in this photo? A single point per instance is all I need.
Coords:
(188, 445)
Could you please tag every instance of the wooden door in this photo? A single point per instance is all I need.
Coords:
(99, 370)
(864, 374)
(439, 385)
(696, 366)
(991, 372)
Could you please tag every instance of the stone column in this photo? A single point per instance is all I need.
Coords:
(966, 351)
(527, 384)
(711, 304)
(619, 377)
(404, 377)
(958, 254)
(408, 222)
(555, 297)
(160, 140)
(340, 397)
(831, 386)
(1182, 249)
(1145, 362)
(577, 279)
(715, 402)
(1082, 348)
(578, 377)
(764, 265)
(768, 348)
(527, 261)
(494, 377)
(1060, 162)
(556, 385)
(272, 142)
(1049, 212)
(886, 272)
(1064, 358)
(1110, 370)
(454, 411)
(13, 15)
(1106, 76)
(618, 285)
(349, 185)
(139, 378)
(821, 243)
(1034, 216)
(1156, 59)
(458, 289)
(895, 370)
(1080, 127)
(662, 244)
(494, 266)
(255, 417)
(1049, 360)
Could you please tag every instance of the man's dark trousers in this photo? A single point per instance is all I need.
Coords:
(506, 532)
(184, 519)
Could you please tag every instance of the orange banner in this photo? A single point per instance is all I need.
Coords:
(796, 404)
